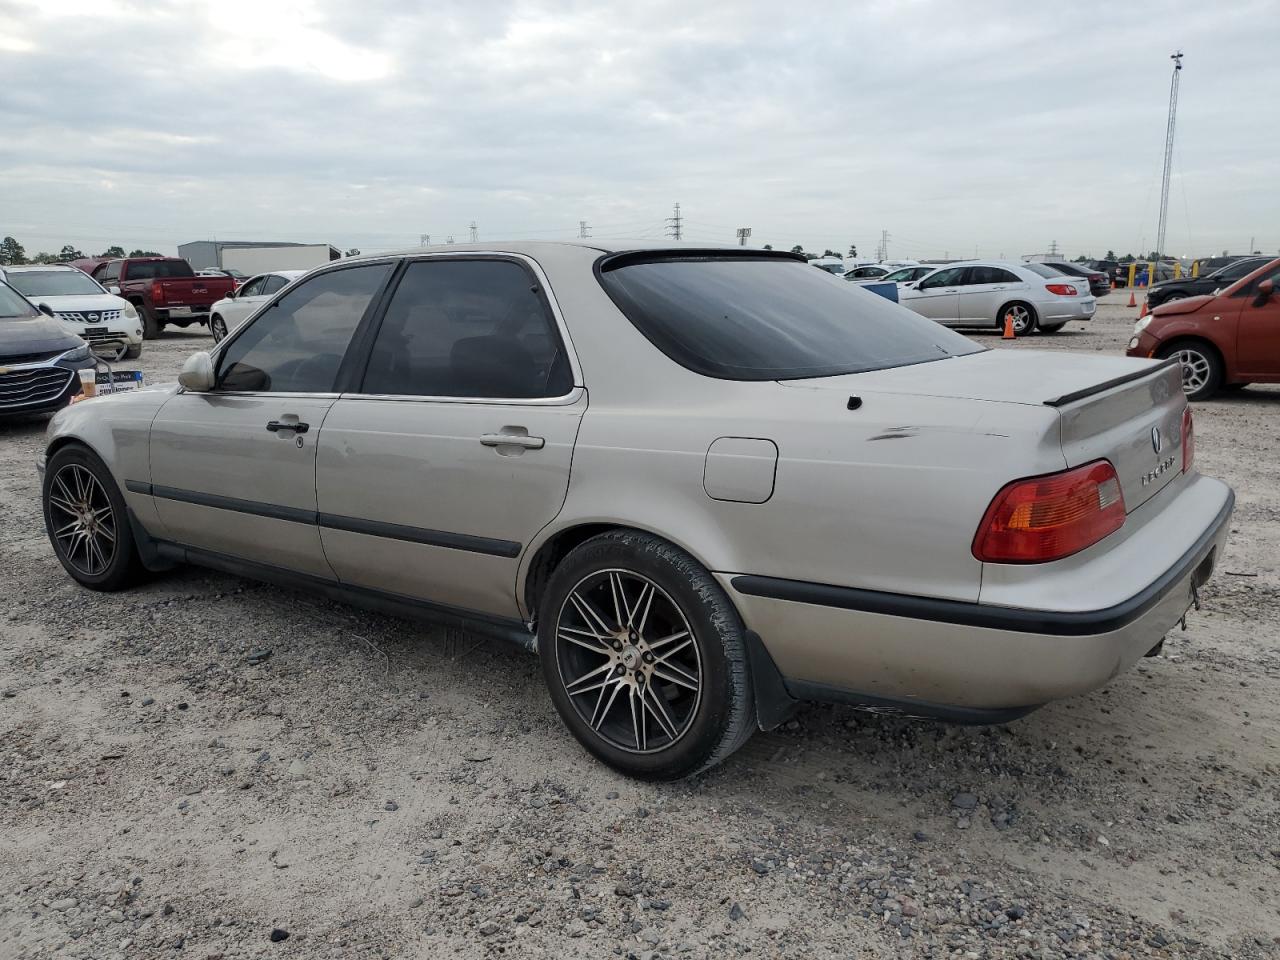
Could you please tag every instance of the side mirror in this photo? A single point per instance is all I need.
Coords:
(231, 294)
(1265, 289)
(197, 373)
(114, 288)
(45, 309)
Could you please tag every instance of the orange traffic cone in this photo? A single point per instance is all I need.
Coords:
(1132, 301)
(1143, 312)
(1008, 327)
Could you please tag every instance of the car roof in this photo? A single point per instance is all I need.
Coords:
(531, 247)
(39, 266)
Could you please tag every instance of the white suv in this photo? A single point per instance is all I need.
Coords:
(109, 323)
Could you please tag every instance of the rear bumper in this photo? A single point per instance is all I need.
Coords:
(968, 661)
(1055, 311)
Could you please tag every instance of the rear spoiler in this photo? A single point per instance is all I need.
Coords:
(625, 258)
(1097, 388)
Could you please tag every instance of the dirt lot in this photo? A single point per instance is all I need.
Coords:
(382, 789)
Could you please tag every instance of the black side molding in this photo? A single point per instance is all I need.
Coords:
(1072, 397)
(963, 613)
(274, 511)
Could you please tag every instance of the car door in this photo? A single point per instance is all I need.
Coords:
(984, 290)
(935, 295)
(251, 295)
(1258, 331)
(453, 450)
(233, 469)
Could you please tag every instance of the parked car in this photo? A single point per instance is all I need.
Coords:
(109, 324)
(235, 275)
(1224, 276)
(163, 290)
(900, 276)
(40, 358)
(236, 307)
(401, 430)
(981, 293)
(868, 271)
(1207, 265)
(830, 264)
(1099, 281)
(1224, 341)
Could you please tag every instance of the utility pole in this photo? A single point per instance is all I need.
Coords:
(676, 222)
(1168, 151)
(424, 239)
(743, 233)
(584, 230)
(475, 232)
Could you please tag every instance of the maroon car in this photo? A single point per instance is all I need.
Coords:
(1225, 340)
(163, 289)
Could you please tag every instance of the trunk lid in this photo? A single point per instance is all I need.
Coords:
(1107, 407)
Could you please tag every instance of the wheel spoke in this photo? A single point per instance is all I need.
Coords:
(645, 602)
(674, 650)
(589, 614)
(668, 639)
(597, 720)
(660, 714)
(574, 635)
(635, 719)
(67, 528)
(619, 596)
(676, 676)
(579, 686)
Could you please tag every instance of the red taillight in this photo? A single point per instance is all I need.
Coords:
(1050, 517)
(1061, 289)
(1188, 440)
(157, 291)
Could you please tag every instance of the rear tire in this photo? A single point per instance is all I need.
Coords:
(1202, 367)
(644, 657)
(87, 521)
(1024, 317)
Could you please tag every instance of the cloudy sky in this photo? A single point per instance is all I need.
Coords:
(962, 128)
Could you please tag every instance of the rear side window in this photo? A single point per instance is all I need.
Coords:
(273, 285)
(749, 319)
(468, 328)
(110, 273)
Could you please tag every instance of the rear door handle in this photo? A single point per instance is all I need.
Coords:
(277, 425)
(512, 440)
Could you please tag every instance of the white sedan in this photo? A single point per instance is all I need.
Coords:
(235, 308)
(981, 293)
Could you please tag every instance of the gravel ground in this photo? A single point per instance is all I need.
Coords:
(204, 764)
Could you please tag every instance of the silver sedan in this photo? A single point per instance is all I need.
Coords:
(982, 293)
(701, 484)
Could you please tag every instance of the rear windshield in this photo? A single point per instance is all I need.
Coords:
(1044, 270)
(745, 319)
(158, 269)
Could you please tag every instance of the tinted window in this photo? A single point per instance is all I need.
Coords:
(253, 288)
(989, 275)
(468, 328)
(1241, 268)
(742, 319)
(53, 283)
(158, 270)
(1043, 270)
(273, 284)
(110, 273)
(12, 304)
(297, 345)
(943, 278)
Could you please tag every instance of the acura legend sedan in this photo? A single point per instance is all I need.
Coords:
(701, 484)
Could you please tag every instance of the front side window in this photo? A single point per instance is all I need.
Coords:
(53, 283)
(12, 304)
(943, 278)
(738, 318)
(253, 288)
(297, 345)
(468, 328)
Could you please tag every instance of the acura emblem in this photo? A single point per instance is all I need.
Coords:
(1157, 443)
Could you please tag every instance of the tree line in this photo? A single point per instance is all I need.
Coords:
(14, 254)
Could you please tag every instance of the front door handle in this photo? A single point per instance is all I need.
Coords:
(277, 425)
(512, 440)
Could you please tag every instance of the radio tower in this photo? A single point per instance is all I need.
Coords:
(1168, 152)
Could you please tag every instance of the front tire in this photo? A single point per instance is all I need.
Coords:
(1202, 368)
(87, 521)
(134, 352)
(217, 327)
(1024, 317)
(644, 657)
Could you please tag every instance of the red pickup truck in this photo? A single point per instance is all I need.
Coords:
(163, 289)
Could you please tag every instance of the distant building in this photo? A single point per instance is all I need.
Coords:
(256, 256)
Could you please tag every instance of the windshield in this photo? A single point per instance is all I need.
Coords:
(158, 269)
(12, 304)
(748, 319)
(53, 283)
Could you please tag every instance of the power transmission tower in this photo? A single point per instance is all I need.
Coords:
(1168, 151)
(1053, 248)
(584, 230)
(424, 239)
(743, 233)
(475, 232)
(882, 250)
(676, 222)
(449, 239)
